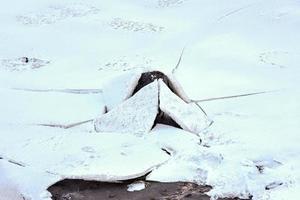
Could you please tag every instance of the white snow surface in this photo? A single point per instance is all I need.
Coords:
(231, 47)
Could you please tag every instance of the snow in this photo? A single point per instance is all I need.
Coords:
(231, 47)
(8, 189)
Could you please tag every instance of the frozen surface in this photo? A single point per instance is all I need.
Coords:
(231, 47)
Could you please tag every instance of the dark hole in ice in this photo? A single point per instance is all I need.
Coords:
(163, 118)
(149, 77)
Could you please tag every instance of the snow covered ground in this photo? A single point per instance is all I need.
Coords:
(231, 47)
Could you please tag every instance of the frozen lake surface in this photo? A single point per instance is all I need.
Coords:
(59, 58)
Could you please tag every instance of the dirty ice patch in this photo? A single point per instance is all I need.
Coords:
(56, 13)
(135, 26)
(169, 3)
(127, 63)
(22, 64)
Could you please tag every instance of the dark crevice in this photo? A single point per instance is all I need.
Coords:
(165, 150)
(105, 110)
(273, 185)
(149, 77)
(141, 178)
(163, 118)
(16, 163)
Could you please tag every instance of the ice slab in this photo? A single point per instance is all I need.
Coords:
(136, 115)
(187, 116)
(51, 157)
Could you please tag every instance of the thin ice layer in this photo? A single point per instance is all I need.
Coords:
(136, 115)
(188, 116)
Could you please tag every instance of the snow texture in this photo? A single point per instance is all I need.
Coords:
(88, 160)
(231, 47)
(136, 115)
(8, 189)
(188, 116)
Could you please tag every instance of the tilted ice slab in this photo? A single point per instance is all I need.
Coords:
(138, 113)
(121, 87)
(188, 116)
